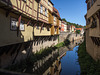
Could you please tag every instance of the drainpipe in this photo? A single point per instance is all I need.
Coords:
(38, 1)
(37, 11)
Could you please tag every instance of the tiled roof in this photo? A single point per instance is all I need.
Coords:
(79, 29)
(56, 11)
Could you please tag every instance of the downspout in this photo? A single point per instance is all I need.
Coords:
(38, 1)
(37, 12)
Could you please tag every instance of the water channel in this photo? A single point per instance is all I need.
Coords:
(69, 62)
(60, 62)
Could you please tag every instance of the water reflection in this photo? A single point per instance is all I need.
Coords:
(69, 63)
(74, 43)
(59, 62)
(50, 65)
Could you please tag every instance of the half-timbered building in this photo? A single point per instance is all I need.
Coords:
(93, 28)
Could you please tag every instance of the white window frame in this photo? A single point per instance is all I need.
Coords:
(37, 27)
(13, 23)
(48, 2)
(22, 26)
(45, 12)
(41, 9)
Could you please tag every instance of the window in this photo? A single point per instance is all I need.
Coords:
(87, 21)
(48, 2)
(13, 24)
(94, 23)
(22, 25)
(24, 0)
(92, 2)
(42, 28)
(88, 5)
(37, 27)
(41, 9)
(48, 29)
(55, 29)
(45, 12)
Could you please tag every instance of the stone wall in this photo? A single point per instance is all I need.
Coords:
(70, 36)
(74, 36)
(12, 54)
(63, 36)
(43, 42)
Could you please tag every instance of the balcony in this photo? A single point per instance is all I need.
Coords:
(94, 29)
(94, 8)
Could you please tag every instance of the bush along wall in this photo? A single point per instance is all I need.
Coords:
(87, 64)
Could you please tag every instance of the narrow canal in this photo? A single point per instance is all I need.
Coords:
(70, 64)
(62, 61)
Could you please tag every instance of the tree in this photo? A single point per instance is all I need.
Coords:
(64, 20)
(78, 31)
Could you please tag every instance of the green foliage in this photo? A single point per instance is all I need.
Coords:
(74, 24)
(60, 45)
(78, 31)
(87, 64)
(64, 20)
(66, 42)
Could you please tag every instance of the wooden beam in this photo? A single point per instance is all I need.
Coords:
(35, 24)
(28, 22)
(19, 21)
(41, 27)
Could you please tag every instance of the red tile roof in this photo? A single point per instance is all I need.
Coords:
(79, 29)
(56, 11)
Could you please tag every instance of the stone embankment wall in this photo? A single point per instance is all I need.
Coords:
(12, 54)
(44, 42)
(63, 36)
(70, 36)
(74, 37)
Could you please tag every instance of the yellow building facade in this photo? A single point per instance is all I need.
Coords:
(17, 19)
(43, 28)
(26, 26)
(21, 20)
